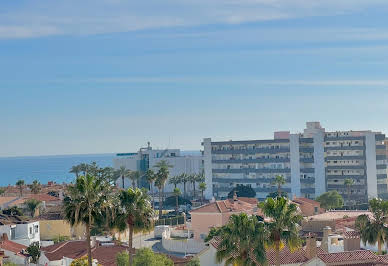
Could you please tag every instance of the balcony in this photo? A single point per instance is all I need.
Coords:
(252, 151)
(344, 148)
(259, 160)
(339, 158)
(252, 170)
(306, 160)
(306, 149)
(345, 167)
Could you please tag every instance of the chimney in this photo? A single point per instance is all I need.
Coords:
(235, 196)
(351, 241)
(325, 238)
(311, 246)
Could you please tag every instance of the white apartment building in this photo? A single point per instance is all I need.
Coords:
(24, 233)
(312, 162)
(146, 158)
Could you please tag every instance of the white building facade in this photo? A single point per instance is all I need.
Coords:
(147, 158)
(24, 233)
(312, 163)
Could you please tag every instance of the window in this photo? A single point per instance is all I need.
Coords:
(315, 209)
(36, 229)
(30, 230)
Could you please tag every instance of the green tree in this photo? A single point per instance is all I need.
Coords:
(76, 169)
(275, 194)
(175, 180)
(348, 183)
(242, 241)
(279, 181)
(122, 173)
(150, 176)
(374, 229)
(135, 178)
(177, 193)
(282, 225)
(85, 202)
(146, 256)
(32, 205)
(161, 178)
(83, 167)
(83, 261)
(242, 191)
(134, 212)
(35, 187)
(34, 251)
(330, 200)
(14, 210)
(193, 262)
(202, 188)
(183, 179)
(192, 179)
(20, 185)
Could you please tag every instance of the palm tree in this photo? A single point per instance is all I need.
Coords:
(374, 230)
(175, 180)
(279, 181)
(31, 205)
(135, 177)
(150, 176)
(177, 193)
(35, 187)
(242, 241)
(135, 213)
(83, 167)
(202, 188)
(76, 169)
(20, 185)
(183, 179)
(192, 179)
(283, 224)
(123, 173)
(86, 201)
(161, 178)
(348, 183)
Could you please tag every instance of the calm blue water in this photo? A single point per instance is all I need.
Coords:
(46, 168)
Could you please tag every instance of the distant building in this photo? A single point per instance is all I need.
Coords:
(19, 231)
(146, 158)
(312, 162)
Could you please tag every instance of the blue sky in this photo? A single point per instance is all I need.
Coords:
(108, 76)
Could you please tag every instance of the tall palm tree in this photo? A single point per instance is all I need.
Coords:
(35, 187)
(283, 224)
(31, 205)
(86, 201)
(75, 169)
(177, 193)
(279, 181)
(183, 179)
(175, 180)
(242, 241)
(83, 167)
(123, 173)
(161, 178)
(135, 177)
(202, 188)
(150, 176)
(135, 213)
(348, 183)
(192, 179)
(374, 229)
(20, 185)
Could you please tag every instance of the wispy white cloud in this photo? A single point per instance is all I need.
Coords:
(42, 17)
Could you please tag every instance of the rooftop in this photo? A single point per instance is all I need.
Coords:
(337, 215)
(248, 205)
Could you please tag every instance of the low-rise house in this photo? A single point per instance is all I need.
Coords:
(308, 207)
(18, 230)
(217, 214)
(65, 252)
(13, 252)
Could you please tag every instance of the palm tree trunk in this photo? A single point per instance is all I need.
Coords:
(160, 203)
(130, 239)
(176, 205)
(279, 191)
(88, 241)
(133, 184)
(277, 250)
(202, 197)
(184, 189)
(122, 179)
(379, 247)
(153, 196)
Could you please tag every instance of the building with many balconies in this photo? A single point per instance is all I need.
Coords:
(312, 163)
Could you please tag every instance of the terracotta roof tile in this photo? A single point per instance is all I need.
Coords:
(13, 247)
(229, 205)
(306, 200)
(361, 256)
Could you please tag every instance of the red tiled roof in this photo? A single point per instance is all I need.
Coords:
(229, 205)
(306, 200)
(356, 256)
(12, 246)
(105, 255)
(42, 197)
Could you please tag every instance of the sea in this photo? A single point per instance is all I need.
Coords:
(51, 168)
(46, 168)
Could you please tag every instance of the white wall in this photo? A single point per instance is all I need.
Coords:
(23, 235)
(319, 164)
(182, 246)
(295, 165)
(370, 152)
(207, 159)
